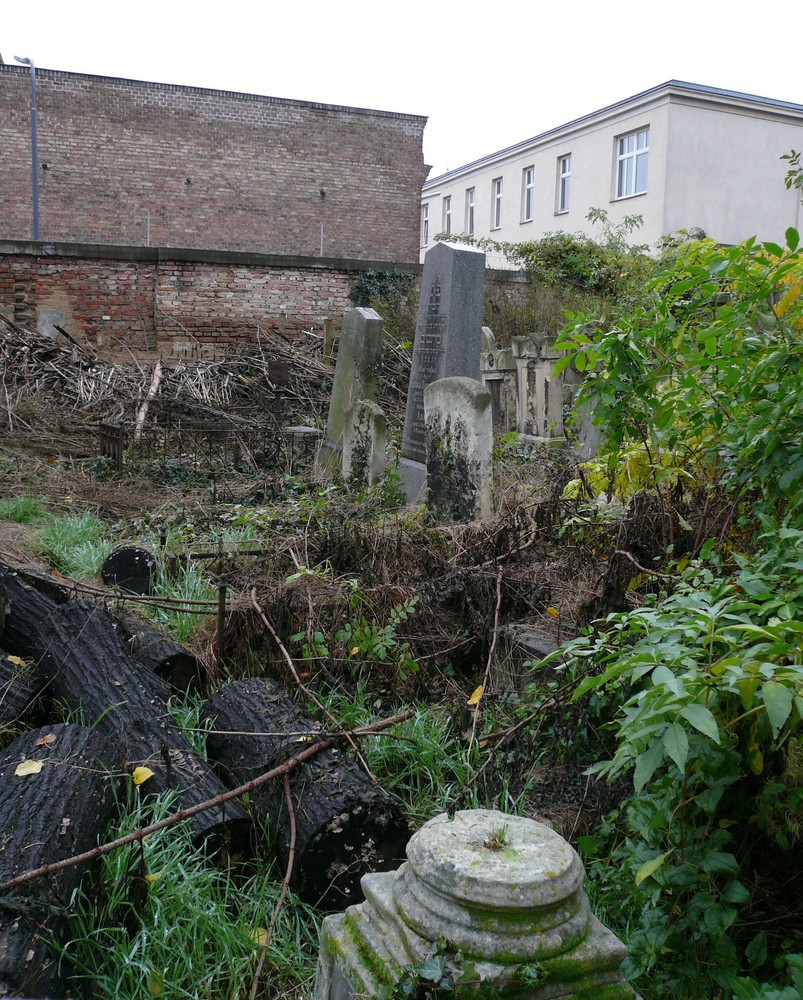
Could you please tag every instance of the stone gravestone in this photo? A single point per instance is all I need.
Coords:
(364, 444)
(498, 374)
(447, 344)
(359, 359)
(506, 896)
(459, 449)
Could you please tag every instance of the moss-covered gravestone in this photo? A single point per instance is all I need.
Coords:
(459, 449)
(359, 360)
(499, 897)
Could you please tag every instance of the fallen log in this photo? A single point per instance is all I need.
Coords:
(57, 807)
(28, 600)
(345, 824)
(130, 567)
(182, 669)
(85, 659)
(20, 685)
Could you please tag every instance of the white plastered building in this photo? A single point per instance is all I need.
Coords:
(681, 155)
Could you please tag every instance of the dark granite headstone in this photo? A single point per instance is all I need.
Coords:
(448, 340)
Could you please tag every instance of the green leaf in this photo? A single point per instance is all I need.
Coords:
(778, 703)
(650, 867)
(702, 720)
(676, 744)
(646, 764)
(756, 951)
(792, 239)
(735, 892)
(720, 863)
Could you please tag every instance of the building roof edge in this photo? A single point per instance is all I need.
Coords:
(660, 90)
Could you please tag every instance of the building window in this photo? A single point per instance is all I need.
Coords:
(496, 203)
(469, 227)
(631, 163)
(424, 225)
(564, 182)
(527, 193)
(447, 215)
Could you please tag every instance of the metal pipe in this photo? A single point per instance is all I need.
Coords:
(34, 146)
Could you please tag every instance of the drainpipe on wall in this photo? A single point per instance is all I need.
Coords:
(34, 146)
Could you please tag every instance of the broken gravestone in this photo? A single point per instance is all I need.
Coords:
(459, 449)
(359, 359)
(499, 897)
(447, 343)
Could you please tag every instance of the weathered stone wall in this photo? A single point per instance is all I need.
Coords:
(151, 299)
(210, 168)
(171, 301)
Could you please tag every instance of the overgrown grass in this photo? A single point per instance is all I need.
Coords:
(168, 924)
(21, 510)
(426, 761)
(75, 544)
(187, 582)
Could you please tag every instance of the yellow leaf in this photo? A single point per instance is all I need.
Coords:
(650, 868)
(156, 984)
(28, 767)
(152, 878)
(141, 775)
(475, 698)
(259, 936)
(553, 612)
(355, 650)
(304, 739)
(16, 660)
(45, 741)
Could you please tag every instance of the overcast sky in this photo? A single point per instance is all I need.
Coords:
(486, 75)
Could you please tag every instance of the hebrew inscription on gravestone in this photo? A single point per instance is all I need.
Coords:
(448, 341)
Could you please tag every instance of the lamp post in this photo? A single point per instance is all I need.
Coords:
(34, 146)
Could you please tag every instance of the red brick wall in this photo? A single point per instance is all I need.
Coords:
(146, 300)
(212, 169)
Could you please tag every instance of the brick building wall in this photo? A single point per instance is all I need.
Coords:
(131, 163)
(154, 300)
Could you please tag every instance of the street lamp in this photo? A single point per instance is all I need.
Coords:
(34, 146)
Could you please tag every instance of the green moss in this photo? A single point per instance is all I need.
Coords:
(384, 972)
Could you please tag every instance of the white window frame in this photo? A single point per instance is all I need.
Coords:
(470, 203)
(424, 225)
(447, 215)
(632, 162)
(564, 188)
(528, 194)
(496, 203)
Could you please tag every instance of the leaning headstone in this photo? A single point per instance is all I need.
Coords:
(506, 896)
(447, 344)
(359, 359)
(459, 449)
(364, 444)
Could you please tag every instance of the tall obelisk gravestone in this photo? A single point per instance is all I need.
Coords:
(448, 340)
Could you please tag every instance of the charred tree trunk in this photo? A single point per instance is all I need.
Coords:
(182, 669)
(19, 688)
(46, 817)
(28, 602)
(86, 662)
(345, 825)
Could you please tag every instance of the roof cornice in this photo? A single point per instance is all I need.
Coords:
(694, 92)
(56, 74)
